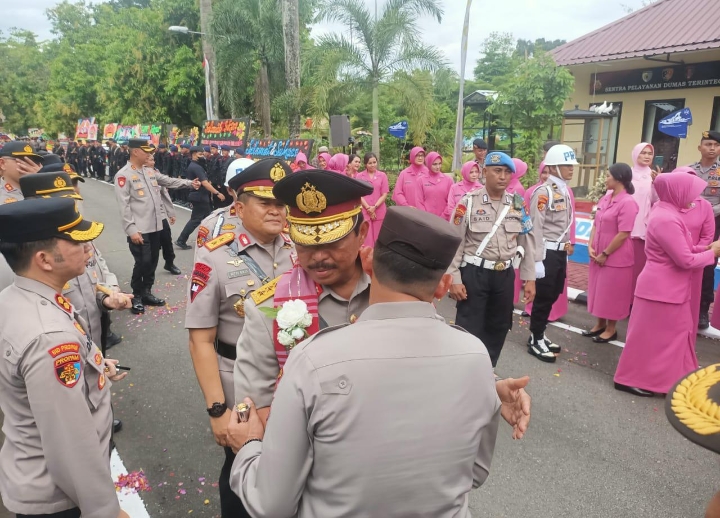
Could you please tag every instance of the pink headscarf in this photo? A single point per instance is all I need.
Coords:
(638, 170)
(465, 171)
(338, 163)
(520, 170)
(685, 169)
(430, 158)
(676, 191)
(300, 157)
(326, 156)
(417, 169)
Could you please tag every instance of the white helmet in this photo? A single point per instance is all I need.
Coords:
(560, 155)
(237, 167)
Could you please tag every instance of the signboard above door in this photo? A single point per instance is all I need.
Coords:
(671, 77)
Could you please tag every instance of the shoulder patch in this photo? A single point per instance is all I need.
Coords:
(63, 303)
(542, 202)
(202, 235)
(68, 369)
(121, 181)
(199, 279)
(64, 348)
(460, 211)
(222, 239)
(263, 293)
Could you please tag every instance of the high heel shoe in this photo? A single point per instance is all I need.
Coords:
(600, 340)
(591, 334)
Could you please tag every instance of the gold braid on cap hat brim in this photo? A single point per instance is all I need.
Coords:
(691, 403)
(86, 235)
(321, 231)
(261, 191)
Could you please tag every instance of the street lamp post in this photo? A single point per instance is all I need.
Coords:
(211, 87)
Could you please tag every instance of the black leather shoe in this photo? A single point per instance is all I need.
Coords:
(151, 300)
(591, 334)
(601, 340)
(117, 425)
(112, 339)
(137, 306)
(704, 321)
(182, 246)
(634, 390)
(173, 269)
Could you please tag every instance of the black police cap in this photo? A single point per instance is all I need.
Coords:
(51, 158)
(259, 178)
(196, 149)
(711, 135)
(62, 167)
(47, 185)
(141, 143)
(45, 218)
(18, 149)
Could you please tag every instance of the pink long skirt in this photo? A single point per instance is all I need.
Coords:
(373, 231)
(695, 295)
(640, 259)
(609, 291)
(559, 309)
(659, 349)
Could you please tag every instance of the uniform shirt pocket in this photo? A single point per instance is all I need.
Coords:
(96, 380)
(481, 224)
(340, 385)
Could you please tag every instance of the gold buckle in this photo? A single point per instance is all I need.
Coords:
(499, 266)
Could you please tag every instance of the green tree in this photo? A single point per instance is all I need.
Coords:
(496, 61)
(533, 100)
(381, 44)
(526, 48)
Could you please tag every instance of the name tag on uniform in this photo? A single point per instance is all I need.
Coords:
(559, 207)
(238, 273)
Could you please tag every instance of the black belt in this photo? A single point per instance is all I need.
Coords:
(226, 350)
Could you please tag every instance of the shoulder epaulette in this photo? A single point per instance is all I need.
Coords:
(264, 292)
(222, 239)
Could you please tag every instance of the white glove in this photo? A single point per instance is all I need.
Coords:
(539, 270)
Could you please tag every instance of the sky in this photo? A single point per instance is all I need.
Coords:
(526, 19)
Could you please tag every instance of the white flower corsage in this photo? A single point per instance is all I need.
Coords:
(293, 318)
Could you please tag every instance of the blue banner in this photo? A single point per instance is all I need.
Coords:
(399, 129)
(676, 124)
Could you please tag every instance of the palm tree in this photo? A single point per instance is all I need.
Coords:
(375, 47)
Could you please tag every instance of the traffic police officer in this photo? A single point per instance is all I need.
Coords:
(349, 385)
(708, 168)
(235, 259)
(138, 191)
(552, 216)
(327, 228)
(16, 159)
(54, 389)
(495, 229)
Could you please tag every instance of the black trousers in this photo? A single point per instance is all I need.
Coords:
(548, 290)
(200, 211)
(488, 311)
(146, 259)
(166, 244)
(708, 280)
(230, 504)
(70, 513)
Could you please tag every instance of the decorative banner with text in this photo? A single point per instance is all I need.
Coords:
(695, 75)
(151, 132)
(231, 132)
(109, 130)
(83, 128)
(285, 149)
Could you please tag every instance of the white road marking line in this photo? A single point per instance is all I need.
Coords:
(131, 503)
(103, 182)
(572, 329)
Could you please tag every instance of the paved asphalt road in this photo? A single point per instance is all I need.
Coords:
(590, 452)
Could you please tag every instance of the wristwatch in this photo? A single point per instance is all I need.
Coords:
(217, 409)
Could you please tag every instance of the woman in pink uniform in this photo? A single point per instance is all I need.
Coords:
(560, 308)
(642, 157)
(353, 166)
(373, 204)
(324, 160)
(659, 347)
(301, 163)
(434, 187)
(470, 181)
(515, 187)
(611, 255)
(338, 163)
(406, 186)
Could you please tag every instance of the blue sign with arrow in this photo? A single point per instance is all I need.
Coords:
(676, 124)
(399, 129)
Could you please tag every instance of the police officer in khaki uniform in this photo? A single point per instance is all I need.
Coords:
(137, 190)
(16, 159)
(54, 389)
(708, 168)
(238, 258)
(327, 228)
(552, 216)
(495, 230)
(400, 373)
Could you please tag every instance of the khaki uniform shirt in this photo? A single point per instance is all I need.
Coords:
(551, 218)
(167, 203)
(140, 200)
(7, 276)
(84, 296)
(477, 222)
(712, 177)
(9, 194)
(395, 415)
(56, 402)
(222, 282)
(256, 367)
